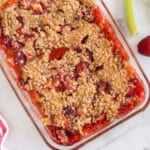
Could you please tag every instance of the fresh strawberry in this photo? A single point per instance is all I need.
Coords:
(144, 46)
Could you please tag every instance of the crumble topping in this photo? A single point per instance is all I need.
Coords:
(68, 60)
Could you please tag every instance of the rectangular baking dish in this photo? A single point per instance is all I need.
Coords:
(34, 114)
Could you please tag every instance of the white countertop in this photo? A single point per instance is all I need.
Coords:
(24, 136)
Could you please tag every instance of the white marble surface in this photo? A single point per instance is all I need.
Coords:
(23, 135)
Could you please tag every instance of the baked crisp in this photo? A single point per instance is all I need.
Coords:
(68, 59)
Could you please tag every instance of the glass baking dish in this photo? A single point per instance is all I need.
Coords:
(34, 114)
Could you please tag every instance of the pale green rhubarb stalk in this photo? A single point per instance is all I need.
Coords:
(129, 11)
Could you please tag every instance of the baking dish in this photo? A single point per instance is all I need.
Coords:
(33, 113)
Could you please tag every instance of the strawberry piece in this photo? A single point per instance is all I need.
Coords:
(63, 85)
(61, 134)
(66, 85)
(60, 87)
(124, 109)
(139, 89)
(20, 58)
(58, 53)
(20, 19)
(34, 94)
(144, 46)
(82, 66)
(131, 92)
(73, 137)
(98, 16)
(28, 36)
(103, 87)
(6, 41)
(70, 111)
(8, 4)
